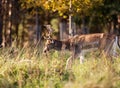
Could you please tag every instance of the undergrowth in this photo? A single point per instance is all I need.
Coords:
(29, 68)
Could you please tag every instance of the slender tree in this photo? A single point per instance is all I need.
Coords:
(1, 21)
(10, 23)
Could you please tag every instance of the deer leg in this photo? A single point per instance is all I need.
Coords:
(70, 60)
(81, 56)
(115, 47)
(69, 63)
(109, 47)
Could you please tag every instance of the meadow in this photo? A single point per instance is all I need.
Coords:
(29, 68)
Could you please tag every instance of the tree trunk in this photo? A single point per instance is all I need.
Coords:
(63, 29)
(7, 22)
(10, 24)
(4, 22)
(1, 22)
(84, 28)
(16, 19)
(70, 25)
(70, 20)
(38, 28)
(22, 39)
(114, 23)
(16, 32)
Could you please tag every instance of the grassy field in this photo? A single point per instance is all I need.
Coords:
(28, 68)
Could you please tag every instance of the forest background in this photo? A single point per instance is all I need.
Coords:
(22, 21)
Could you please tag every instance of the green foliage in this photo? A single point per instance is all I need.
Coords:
(26, 68)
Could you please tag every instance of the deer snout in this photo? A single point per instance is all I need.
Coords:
(45, 50)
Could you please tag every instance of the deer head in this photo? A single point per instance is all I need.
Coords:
(49, 41)
(48, 45)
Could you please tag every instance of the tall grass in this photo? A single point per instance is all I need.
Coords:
(29, 68)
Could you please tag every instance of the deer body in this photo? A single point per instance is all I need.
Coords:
(82, 43)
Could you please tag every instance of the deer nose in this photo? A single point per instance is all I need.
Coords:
(45, 50)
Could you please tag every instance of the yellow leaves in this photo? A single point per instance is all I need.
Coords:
(60, 13)
(38, 3)
(46, 5)
(63, 6)
(64, 16)
(78, 9)
(29, 1)
(87, 2)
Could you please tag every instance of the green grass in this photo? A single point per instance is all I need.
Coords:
(28, 68)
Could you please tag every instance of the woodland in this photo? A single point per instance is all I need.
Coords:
(22, 38)
(22, 21)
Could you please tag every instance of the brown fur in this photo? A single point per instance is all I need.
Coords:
(78, 42)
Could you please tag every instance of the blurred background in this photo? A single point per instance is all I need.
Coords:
(22, 21)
